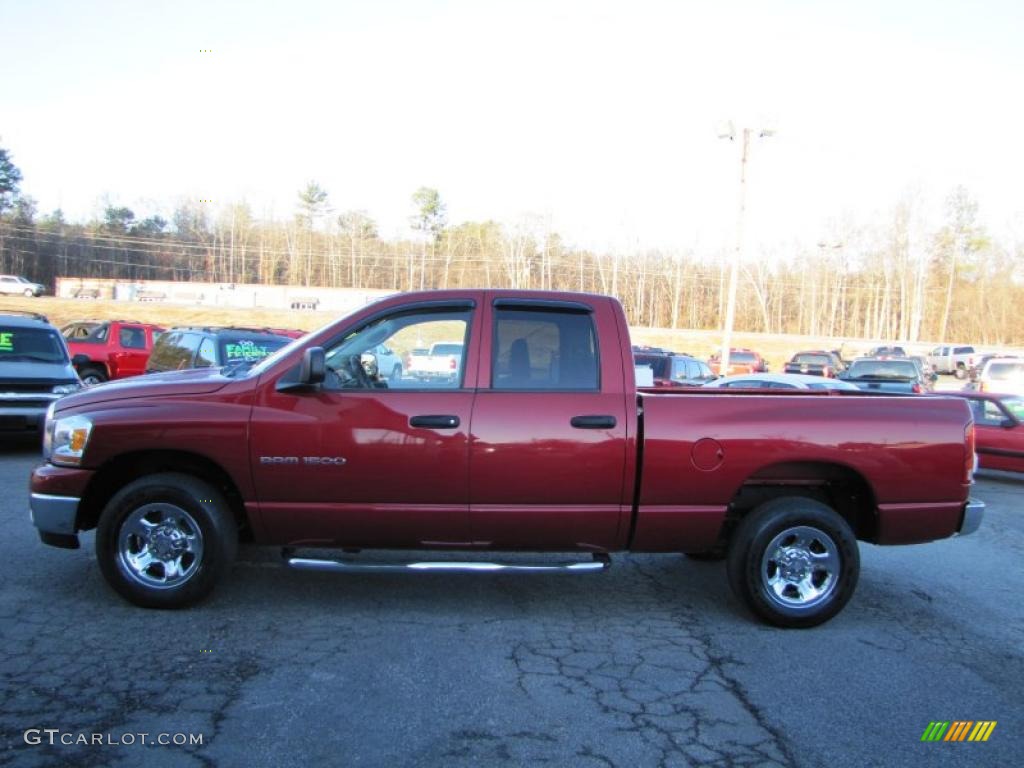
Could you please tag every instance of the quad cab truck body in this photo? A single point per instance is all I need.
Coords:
(542, 444)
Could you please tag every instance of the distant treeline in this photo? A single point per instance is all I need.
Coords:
(895, 279)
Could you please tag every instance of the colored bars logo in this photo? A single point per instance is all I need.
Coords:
(959, 730)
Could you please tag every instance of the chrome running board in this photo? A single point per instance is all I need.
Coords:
(601, 562)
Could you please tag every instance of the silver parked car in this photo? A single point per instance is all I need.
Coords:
(12, 285)
(779, 381)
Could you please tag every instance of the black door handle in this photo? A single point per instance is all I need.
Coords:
(434, 422)
(593, 422)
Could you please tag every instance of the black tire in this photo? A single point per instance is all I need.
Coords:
(822, 551)
(92, 375)
(960, 372)
(186, 517)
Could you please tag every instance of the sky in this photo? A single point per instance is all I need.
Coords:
(600, 118)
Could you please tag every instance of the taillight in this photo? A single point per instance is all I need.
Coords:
(451, 364)
(827, 373)
(969, 456)
(916, 389)
(982, 387)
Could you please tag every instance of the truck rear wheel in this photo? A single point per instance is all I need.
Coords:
(794, 562)
(960, 371)
(164, 541)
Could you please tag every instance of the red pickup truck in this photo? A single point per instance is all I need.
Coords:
(112, 349)
(540, 444)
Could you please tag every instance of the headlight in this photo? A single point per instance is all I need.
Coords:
(65, 389)
(66, 438)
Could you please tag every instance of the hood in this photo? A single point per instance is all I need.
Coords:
(24, 371)
(194, 381)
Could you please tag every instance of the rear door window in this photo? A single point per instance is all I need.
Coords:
(132, 337)
(542, 349)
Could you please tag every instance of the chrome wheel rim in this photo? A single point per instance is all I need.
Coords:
(160, 546)
(800, 568)
(91, 379)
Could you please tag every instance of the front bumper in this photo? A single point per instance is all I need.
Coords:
(55, 517)
(24, 413)
(974, 511)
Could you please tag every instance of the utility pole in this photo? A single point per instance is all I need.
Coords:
(734, 267)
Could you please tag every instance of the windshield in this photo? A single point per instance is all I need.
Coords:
(1014, 405)
(249, 350)
(743, 357)
(812, 359)
(883, 369)
(446, 349)
(1006, 370)
(39, 345)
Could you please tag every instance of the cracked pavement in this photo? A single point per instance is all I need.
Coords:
(653, 663)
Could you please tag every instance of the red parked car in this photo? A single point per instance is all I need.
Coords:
(111, 349)
(999, 429)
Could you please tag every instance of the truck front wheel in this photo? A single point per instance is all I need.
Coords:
(165, 540)
(794, 562)
(92, 375)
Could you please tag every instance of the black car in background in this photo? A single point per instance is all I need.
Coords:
(212, 347)
(816, 363)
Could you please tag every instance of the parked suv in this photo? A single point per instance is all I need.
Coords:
(181, 348)
(113, 349)
(1002, 374)
(35, 370)
(12, 285)
(674, 370)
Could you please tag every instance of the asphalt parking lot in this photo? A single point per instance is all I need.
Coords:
(653, 663)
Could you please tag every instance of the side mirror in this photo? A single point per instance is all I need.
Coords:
(79, 360)
(1008, 423)
(313, 368)
(369, 362)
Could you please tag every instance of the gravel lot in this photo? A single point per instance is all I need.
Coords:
(652, 664)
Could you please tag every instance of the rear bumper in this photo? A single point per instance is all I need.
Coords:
(974, 512)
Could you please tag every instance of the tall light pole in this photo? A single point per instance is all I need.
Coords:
(734, 268)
